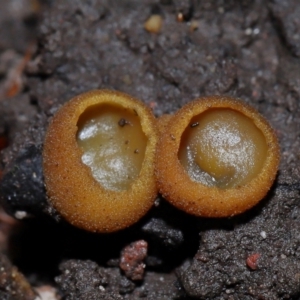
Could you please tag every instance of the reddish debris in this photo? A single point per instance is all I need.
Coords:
(152, 104)
(3, 142)
(15, 82)
(132, 258)
(201, 257)
(8, 226)
(252, 261)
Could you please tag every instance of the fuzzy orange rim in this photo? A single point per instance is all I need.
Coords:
(196, 198)
(72, 189)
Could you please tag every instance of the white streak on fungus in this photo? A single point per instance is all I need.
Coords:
(113, 143)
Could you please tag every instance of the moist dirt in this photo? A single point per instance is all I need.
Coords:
(246, 49)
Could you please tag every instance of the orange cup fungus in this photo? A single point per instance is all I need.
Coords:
(217, 157)
(98, 160)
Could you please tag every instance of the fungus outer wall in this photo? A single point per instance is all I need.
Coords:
(216, 157)
(71, 186)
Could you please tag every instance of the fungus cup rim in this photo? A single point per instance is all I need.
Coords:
(194, 197)
(70, 193)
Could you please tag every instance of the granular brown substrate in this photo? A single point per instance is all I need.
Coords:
(245, 49)
(13, 284)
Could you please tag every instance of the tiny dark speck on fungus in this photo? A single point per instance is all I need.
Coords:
(122, 122)
(194, 124)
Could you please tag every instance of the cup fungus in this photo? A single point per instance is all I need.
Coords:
(217, 157)
(98, 160)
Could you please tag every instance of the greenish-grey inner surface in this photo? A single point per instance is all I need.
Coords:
(222, 147)
(113, 144)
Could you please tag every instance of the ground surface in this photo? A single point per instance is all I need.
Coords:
(248, 49)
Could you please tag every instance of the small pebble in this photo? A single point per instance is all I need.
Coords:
(252, 261)
(263, 234)
(131, 260)
(153, 24)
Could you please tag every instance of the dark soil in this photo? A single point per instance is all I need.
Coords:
(246, 49)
